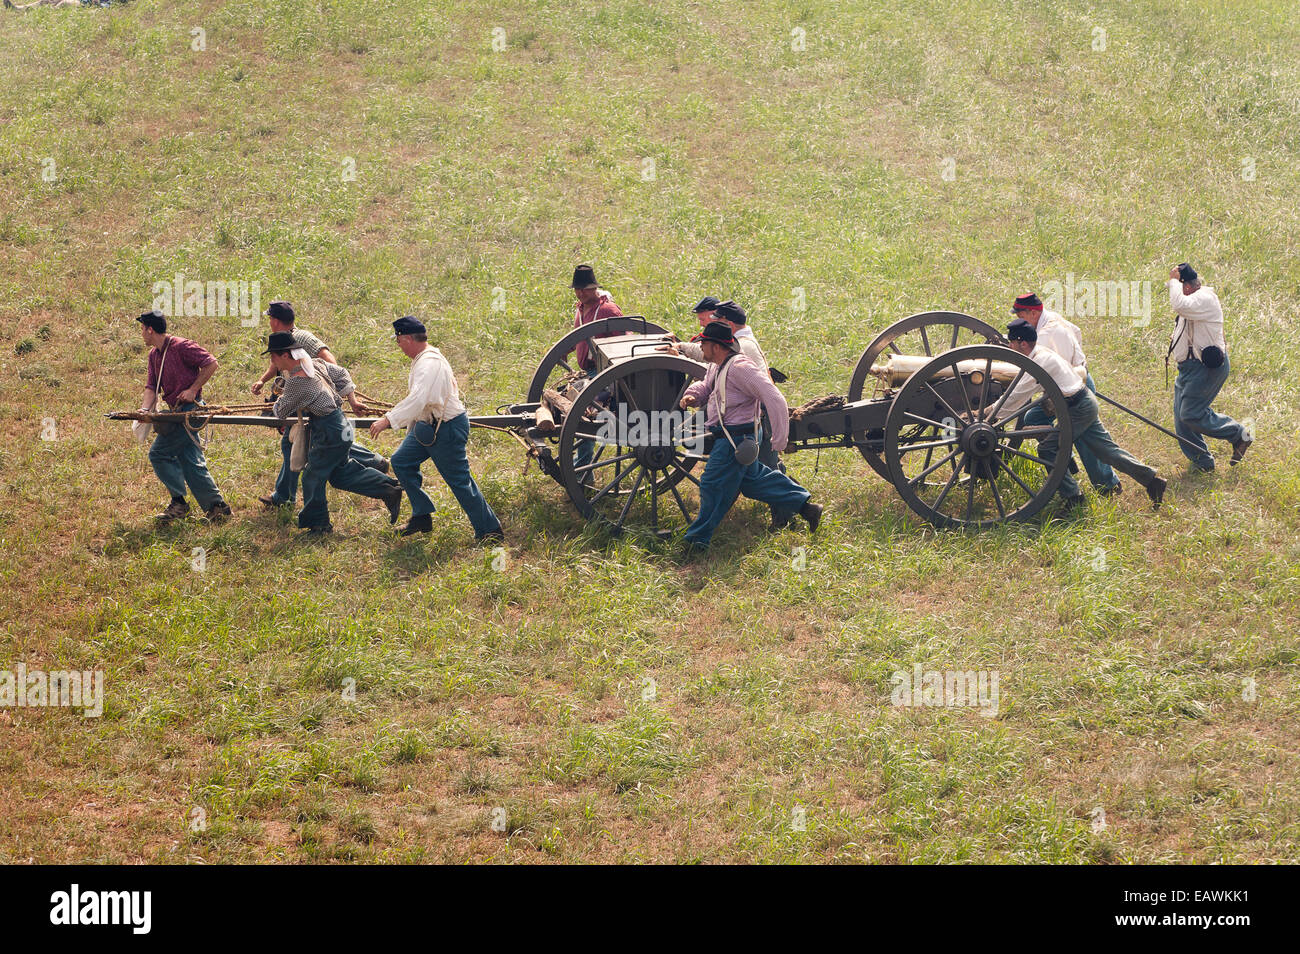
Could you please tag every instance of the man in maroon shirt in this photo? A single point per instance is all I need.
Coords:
(177, 370)
(594, 303)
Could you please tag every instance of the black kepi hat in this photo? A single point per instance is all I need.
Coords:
(1186, 274)
(279, 341)
(1026, 302)
(707, 303)
(584, 276)
(280, 311)
(408, 326)
(730, 311)
(1021, 330)
(719, 333)
(154, 319)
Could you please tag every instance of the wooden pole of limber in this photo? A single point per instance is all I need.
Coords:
(196, 418)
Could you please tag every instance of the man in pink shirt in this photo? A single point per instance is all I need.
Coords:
(732, 416)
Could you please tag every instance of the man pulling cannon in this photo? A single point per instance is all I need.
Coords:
(1081, 406)
(312, 391)
(280, 316)
(438, 429)
(177, 370)
(733, 391)
(1201, 353)
(1065, 338)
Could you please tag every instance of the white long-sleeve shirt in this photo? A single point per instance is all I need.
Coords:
(1066, 378)
(433, 395)
(1062, 336)
(1199, 324)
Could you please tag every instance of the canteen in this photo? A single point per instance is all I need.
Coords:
(746, 452)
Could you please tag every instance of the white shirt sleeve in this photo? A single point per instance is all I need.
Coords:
(1067, 379)
(1020, 395)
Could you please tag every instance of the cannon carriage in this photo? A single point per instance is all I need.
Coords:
(923, 408)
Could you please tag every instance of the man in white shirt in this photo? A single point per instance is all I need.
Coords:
(1089, 432)
(1201, 353)
(437, 429)
(1065, 338)
(735, 318)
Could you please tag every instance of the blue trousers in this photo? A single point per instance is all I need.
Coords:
(1195, 387)
(1100, 473)
(447, 451)
(178, 460)
(328, 463)
(724, 479)
(768, 457)
(584, 448)
(286, 484)
(1091, 434)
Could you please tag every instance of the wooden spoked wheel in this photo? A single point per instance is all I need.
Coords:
(956, 458)
(627, 451)
(927, 334)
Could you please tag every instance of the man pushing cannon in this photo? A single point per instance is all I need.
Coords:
(1089, 433)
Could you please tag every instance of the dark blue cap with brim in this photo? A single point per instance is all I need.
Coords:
(407, 326)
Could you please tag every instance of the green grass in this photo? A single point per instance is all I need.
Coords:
(520, 695)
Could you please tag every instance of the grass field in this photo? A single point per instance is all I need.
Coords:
(372, 159)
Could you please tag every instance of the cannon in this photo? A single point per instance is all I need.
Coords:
(923, 408)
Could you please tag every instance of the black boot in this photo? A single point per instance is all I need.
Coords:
(1156, 491)
(393, 501)
(419, 523)
(812, 513)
